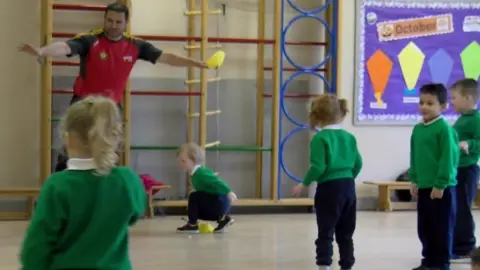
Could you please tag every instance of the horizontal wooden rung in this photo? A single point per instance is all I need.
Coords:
(194, 47)
(199, 12)
(212, 144)
(208, 113)
(216, 79)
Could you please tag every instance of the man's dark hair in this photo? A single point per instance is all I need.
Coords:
(436, 89)
(467, 87)
(119, 8)
(475, 256)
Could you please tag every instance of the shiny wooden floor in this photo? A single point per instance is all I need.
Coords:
(260, 242)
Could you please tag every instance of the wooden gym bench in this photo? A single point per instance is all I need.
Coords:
(30, 193)
(150, 202)
(384, 202)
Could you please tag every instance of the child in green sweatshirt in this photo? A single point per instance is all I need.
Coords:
(83, 213)
(211, 196)
(335, 162)
(464, 98)
(434, 156)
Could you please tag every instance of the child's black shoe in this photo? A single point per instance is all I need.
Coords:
(188, 228)
(223, 222)
(421, 267)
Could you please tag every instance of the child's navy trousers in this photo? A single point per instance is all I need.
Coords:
(464, 238)
(435, 225)
(206, 206)
(335, 206)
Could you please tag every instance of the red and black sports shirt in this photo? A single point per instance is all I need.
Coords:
(105, 65)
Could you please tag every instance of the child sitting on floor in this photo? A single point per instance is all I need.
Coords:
(83, 213)
(211, 197)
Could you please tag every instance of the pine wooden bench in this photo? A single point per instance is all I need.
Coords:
(150, 202)
(384, 202)
(30, 193)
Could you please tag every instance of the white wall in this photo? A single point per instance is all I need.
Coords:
(385, 150)
(19, 95)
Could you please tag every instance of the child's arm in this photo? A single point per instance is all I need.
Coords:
(448, 158)
(317, 162)
(357, 167)
(218, 185)
(42, 234)
(474, 143)
(412, 175)
(138, 195)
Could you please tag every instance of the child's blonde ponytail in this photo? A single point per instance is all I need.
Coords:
(104, 135)
(96, 122)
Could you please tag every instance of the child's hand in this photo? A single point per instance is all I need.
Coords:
(414, 190)
(297, 190)
(232, 196)
(464, 146)
(436, 193)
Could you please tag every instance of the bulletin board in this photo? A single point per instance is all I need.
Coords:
(402, 45)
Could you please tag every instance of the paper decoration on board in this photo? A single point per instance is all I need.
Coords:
(471, 60)
(440, 66)
(411, 60)
(405, 44)
(379, 68)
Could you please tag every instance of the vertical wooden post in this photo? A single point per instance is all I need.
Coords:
(46, 93)
(202, 140)
(339, 4)
(276, 98)
(191, 87)
(260, 98)
(328, 48)
(127, 102)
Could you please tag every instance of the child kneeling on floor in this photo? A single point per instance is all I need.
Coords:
(211, 196)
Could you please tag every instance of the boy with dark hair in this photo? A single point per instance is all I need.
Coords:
(434, 156)
(464, 98)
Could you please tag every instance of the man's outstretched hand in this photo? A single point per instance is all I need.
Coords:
(29, 49)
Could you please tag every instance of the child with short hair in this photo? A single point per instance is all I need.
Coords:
(335, 162)
(434, 156)
(83, 213)
(464, 98)
(475, 259)
(211, 196)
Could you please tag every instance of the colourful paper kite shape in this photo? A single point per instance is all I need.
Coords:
(471, 60)
(440, 66)
(411, 60)
(379, 68)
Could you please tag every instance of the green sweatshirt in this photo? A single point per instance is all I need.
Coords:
(468, 130)
(434, 155)
(81, 221)
(333, 155)
(203, 179)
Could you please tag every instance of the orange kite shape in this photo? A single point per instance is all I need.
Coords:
(379, 68)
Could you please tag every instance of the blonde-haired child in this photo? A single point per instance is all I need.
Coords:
(465, 95)
(334, 164)
(83, 213)
(211, 196)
